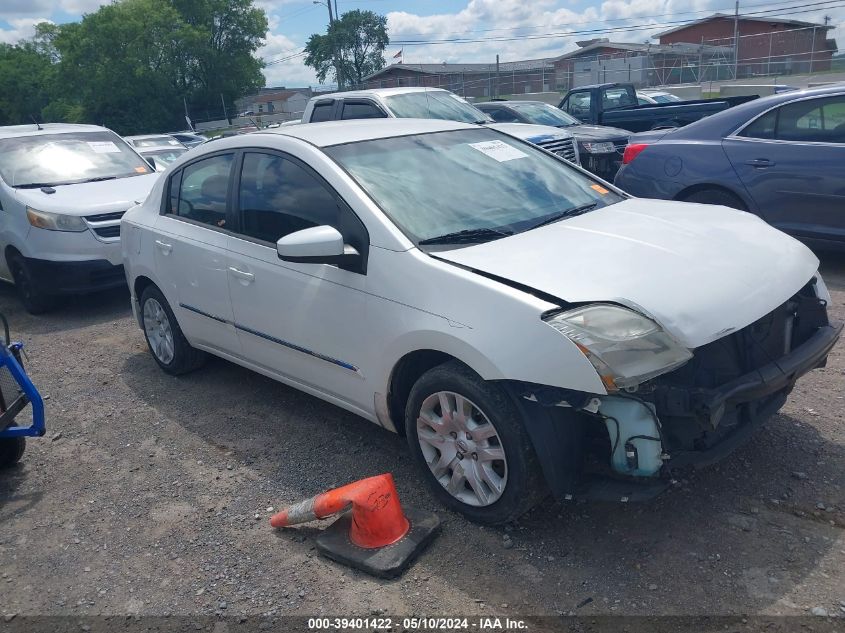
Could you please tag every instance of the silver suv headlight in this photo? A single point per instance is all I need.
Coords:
(626, 348)
(55, 221)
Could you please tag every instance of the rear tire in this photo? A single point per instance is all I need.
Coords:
(715, 196)
(477, 459)
(34, 299)
(11, 450)
(169, 347)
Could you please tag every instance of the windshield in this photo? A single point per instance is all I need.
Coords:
(432, 185)
(153, 141)
(61, 159)
(165, 155)
(545, 114)
(432, 104)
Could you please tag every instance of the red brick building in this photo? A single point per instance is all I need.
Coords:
(767, 46)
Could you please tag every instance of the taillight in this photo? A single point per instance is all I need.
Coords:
(632, 151)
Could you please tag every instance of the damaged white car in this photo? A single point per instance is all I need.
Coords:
(527, 327)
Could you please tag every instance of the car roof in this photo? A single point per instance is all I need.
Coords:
(141, 137)
(151, 149)
(725, 122)
(507, 102)
(337, 132)
(383, 92)
(654, 92)
(30, 129)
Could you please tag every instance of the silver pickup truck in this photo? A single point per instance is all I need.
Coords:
(431, 103)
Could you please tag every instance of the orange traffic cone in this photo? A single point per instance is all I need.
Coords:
(377, 536)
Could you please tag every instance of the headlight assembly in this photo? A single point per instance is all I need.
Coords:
(626, 348)
(55, 221)
(598, 148)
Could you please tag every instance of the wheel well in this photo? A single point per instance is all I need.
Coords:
(405, 373)
(140, 285)
(10, 252)
(684, 193)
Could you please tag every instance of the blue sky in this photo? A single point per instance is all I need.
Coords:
(516, 23)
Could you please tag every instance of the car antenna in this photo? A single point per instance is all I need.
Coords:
(37, 124)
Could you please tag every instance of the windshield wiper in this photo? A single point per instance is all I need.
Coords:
(35, 185)
(98, 179)
(483, 234)
(569, 213)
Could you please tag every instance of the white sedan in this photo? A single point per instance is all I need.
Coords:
(527, 327)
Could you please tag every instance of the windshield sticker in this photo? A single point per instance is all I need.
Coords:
(141, 169)
(600, 189)
(104, 147)
(498, 150)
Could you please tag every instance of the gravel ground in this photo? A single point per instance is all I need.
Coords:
(150, 495)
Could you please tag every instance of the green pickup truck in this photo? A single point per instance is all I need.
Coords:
(615, 104)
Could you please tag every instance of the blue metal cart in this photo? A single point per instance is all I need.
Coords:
(21, 406)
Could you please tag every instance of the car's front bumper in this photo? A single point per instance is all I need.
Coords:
(75, 277)
(760, 392)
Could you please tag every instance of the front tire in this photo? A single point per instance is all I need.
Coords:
(470, 442)
(34, 299)
(11, 450)
(169, 347)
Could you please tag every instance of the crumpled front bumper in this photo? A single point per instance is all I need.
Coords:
(768, 385)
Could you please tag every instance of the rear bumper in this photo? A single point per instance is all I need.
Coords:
(75, 277)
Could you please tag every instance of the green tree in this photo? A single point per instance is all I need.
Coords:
(224, 36)
(25, 77)
(130, 64)
(352, 48)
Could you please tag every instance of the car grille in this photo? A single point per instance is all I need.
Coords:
(105, 225)
(563, 147)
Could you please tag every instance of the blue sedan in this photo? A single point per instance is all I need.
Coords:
(780, 157)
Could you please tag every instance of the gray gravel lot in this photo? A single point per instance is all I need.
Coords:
(150, 495)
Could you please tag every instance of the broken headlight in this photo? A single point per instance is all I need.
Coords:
(626, 348)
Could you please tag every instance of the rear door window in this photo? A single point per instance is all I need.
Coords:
(809, 121)
(203, 192)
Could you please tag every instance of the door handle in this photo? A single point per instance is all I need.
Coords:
(760, 162)
(242, 274)
(164, 247)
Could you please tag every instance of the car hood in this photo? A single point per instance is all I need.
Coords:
(598, 132)
(700, 271)
(531, 132)
(88, 198)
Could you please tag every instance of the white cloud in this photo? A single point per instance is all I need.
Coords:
(22, 28)
(292, 72)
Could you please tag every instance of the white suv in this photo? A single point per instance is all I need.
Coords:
(63, 190)
(525, 325)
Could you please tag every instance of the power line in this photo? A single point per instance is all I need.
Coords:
(819, 7)
(637, 17)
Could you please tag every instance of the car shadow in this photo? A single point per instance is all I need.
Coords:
(70, 312)
(748, 528)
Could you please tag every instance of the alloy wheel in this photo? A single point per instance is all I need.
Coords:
(462, 448)
(158, 331)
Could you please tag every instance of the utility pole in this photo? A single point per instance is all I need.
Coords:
(497, 76)
(736, 39)
(225, 115)
(813, 50)
(332, 16)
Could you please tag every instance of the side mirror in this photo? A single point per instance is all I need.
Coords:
(317, 245)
